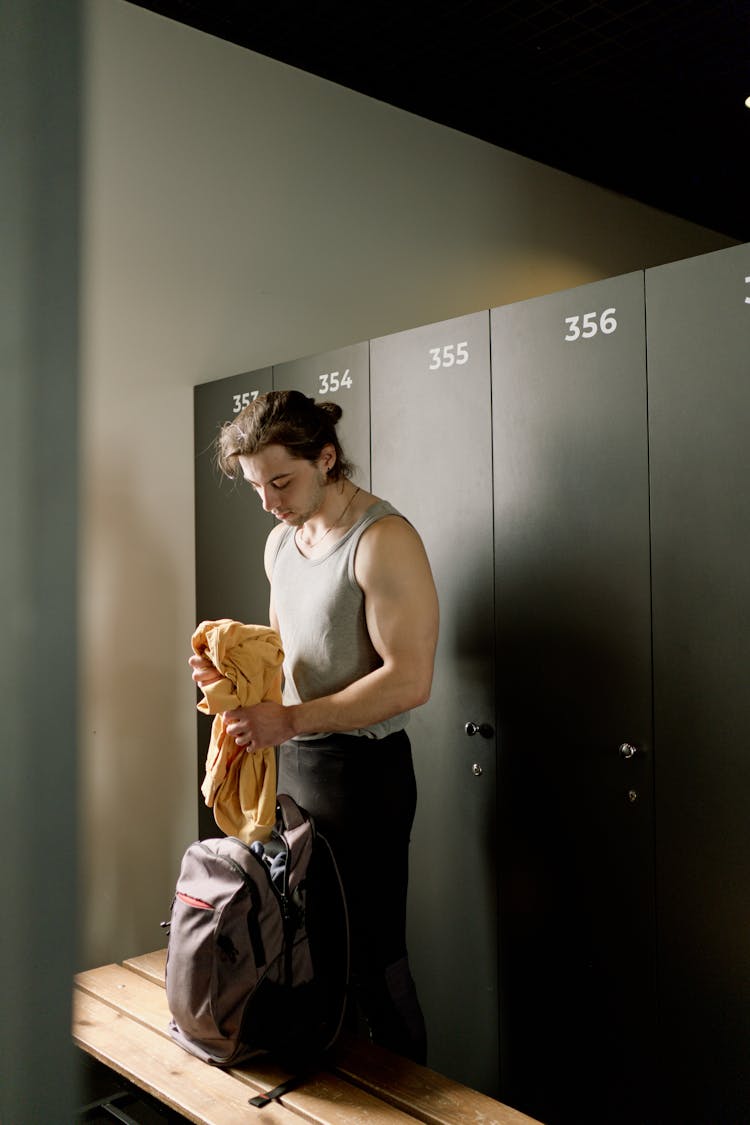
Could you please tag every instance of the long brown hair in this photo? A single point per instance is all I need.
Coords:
(289, 418)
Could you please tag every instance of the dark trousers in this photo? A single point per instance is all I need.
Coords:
(362, 795)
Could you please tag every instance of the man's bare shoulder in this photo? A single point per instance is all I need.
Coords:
(273, 542)
(390, 542)
(395, 522)
(275, 534)
(391, 528)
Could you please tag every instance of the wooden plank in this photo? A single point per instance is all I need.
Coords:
(323, 1098)
(130, 993)
(203, 1094)
(149, 965)
(425, 1094)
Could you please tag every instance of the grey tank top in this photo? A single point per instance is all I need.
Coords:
(321, 614)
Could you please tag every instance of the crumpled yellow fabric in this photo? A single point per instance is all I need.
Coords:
(239, 786)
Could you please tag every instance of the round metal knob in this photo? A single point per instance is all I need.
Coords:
(627, 751)
(484, 729)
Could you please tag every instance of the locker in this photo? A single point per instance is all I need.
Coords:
(573, 688)
(231, 528)
(579, 902)
(431, 457)
(341, 376)
(699, 409)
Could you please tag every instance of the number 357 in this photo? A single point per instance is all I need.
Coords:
(243, 400)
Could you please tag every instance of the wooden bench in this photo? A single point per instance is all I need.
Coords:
(120, 1017)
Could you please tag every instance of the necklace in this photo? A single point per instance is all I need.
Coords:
(327, 532)
(349, 503)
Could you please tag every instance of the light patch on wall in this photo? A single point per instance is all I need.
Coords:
(535, 273)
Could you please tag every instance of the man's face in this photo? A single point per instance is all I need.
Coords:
(291, 488)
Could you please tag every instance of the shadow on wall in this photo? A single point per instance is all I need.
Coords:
(133, 736)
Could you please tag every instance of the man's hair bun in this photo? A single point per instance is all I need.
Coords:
(332, 410)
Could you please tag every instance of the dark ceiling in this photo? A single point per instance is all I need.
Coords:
(645, 97)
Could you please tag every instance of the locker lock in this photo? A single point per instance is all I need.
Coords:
(484, 729)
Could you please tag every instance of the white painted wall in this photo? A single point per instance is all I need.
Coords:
(237, 213)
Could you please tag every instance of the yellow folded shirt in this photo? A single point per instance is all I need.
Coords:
(239, 786)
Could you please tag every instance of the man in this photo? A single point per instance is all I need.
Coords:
(353, 599)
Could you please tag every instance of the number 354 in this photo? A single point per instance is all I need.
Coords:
(333, 381)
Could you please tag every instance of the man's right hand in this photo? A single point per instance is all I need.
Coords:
(204, 672)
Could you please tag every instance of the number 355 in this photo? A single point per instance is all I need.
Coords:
(448, 355)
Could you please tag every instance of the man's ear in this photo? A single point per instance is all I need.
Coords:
(327, 457)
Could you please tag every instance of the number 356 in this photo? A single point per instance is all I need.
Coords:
(589, 327)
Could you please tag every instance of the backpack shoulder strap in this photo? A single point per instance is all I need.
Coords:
(298, 831)
(288, 811)
(260, 1101)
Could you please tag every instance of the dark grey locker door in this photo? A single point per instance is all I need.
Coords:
(431, 451)
(231, 529)
(341, 376)
(573, 686)
(699, 408)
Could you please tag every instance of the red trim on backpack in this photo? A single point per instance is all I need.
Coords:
(197, 902)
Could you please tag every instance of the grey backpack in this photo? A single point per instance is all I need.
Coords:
(258, 951)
